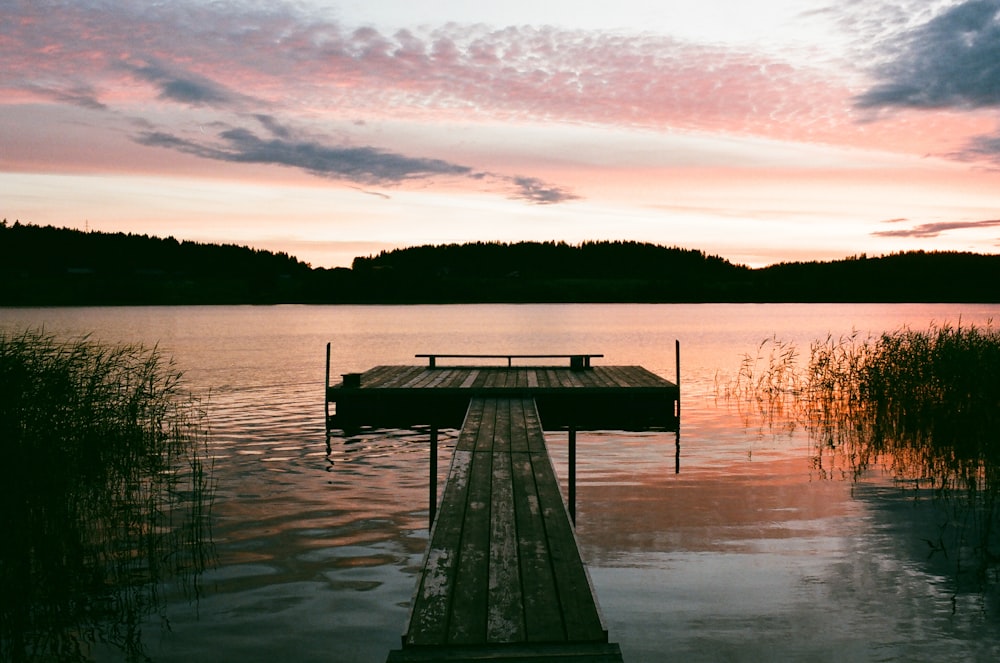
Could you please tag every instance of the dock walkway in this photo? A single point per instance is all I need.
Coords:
(503, 578)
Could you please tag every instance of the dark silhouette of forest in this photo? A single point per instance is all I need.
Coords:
(47, 266)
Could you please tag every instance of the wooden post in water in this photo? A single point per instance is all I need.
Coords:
(677, 410)
(677, 354)
(326, 394)
(434, 474)
(572, 473)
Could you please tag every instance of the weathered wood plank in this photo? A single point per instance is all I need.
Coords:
(505, 612)
(432, 602)
(615, 378)
(468, 437)
(543, 614)
(518, 431)
(484, 436)
(399, 378)
(582, 617)
(378, 375)
(469, 610)
(470, 379)
(533, 428)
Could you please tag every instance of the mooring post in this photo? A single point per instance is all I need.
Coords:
(677, 410)
(677, 451)
(326, 394)
(677, 354)
(433, 479)
(572, 473)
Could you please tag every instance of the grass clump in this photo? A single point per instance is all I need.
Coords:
(104, 493)
(923, 404)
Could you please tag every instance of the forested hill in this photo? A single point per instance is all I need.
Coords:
(551, 271)
(61, 266)
(52, 266)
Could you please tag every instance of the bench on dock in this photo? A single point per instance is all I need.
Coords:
(576, 361)
(503, 578)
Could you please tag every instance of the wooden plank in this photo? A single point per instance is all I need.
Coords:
(586, 378)
(533, 428)
(505, 611)
(543, 614)
(429, 613)
(518, 431)
(615, 378)
(484, 436)
(468, 437)
(481, 379)
(470, 379)
(398, 377)
(422, 376)
(468, 616)
(378, 375)
(581, 615)
(582, 618)
(442, 378)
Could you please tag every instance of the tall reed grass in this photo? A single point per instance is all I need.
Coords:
(925, 405)
(105, 492)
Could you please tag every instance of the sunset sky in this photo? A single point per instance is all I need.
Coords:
(758, 130)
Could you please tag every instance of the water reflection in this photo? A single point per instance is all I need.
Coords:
(105, 497)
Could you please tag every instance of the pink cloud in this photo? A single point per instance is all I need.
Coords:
(282, 57)
(243, 59)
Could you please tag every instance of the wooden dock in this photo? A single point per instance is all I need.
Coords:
(503, 578)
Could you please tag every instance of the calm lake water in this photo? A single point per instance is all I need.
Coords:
(753, 551)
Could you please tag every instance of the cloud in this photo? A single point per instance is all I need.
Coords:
(363, 165)
(536, 191)
(293, 58)
(183, 87)
(81, 95)
(952, 61)
(983, 146)
(925, 230)
(201, 62)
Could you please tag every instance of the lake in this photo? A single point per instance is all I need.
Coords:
(759, 548)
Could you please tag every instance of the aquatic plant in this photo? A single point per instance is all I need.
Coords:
(104, 492)
(924, 405)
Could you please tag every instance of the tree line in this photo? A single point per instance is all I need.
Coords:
(60, 266)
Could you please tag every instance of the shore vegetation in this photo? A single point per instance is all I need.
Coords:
(922, 406)
(105, 493)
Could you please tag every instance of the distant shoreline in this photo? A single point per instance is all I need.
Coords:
(58, 267)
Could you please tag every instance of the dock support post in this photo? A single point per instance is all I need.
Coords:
(432, 501)
(677, 354)
(326, 394)
(677, 409)
(572, 473)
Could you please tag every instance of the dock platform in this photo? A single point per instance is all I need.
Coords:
(592, 398)
(503, 578)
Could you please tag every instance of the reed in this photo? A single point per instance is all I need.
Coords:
(923, 404)
(105, 492)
